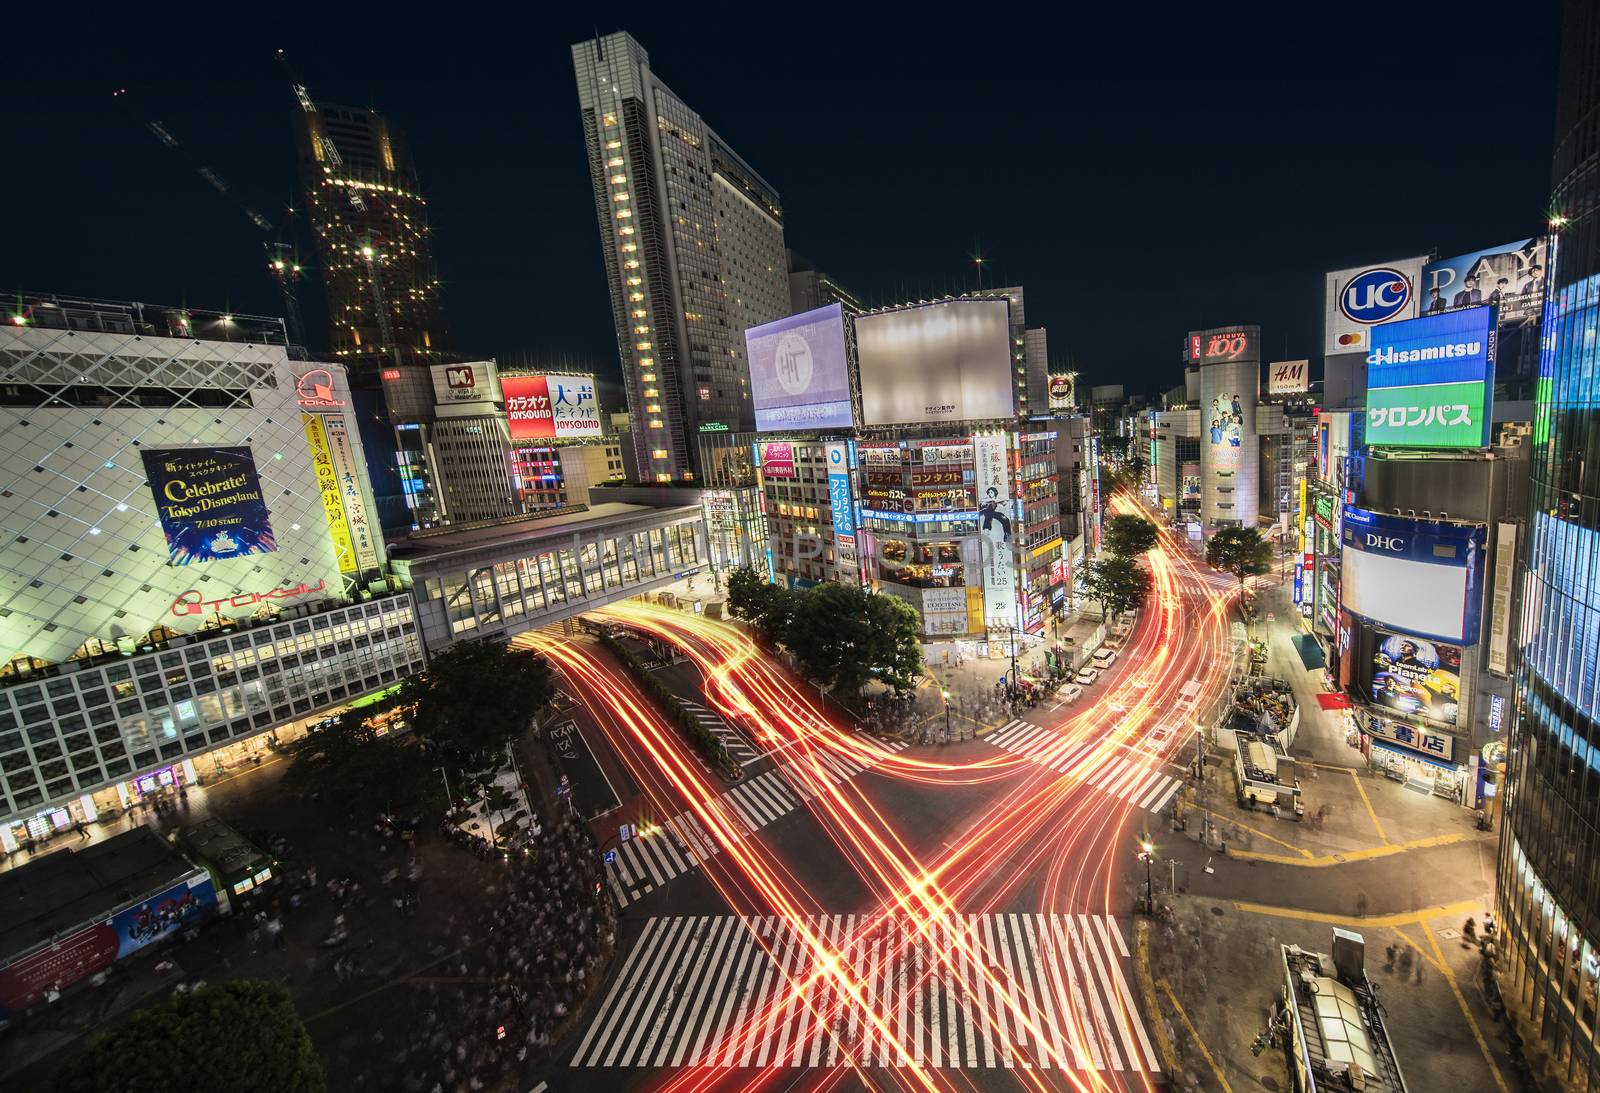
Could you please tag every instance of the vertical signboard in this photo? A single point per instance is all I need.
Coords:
(840, 497)
(1505, 560)
(328, 487)
(996, 515)
(355, 507)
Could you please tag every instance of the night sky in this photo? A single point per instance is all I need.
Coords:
(1140, 178)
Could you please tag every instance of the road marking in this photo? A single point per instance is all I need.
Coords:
(739, 749)
(681, 842)
(1472, 1022)
(1195, 1036)
(1324, 861)
(1402, 918)
(1356, 778)
(1112, 769)
(1047, 991)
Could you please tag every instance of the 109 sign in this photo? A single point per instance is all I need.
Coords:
(1225, 347)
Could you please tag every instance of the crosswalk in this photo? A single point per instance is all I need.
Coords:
(739, 749)
(1120, 772)
(645, 864)
(1009, 990)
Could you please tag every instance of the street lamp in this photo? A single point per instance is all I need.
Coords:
(946, 696)
(1147, 853)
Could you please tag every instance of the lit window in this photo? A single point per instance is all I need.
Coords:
(613, 145)
(635, 296)
(649, 377)
(623, 214)
(614, 161)
(651, 392)
(610, 119)
(641, 329)
(662, 476)
(631, 263)
(635, 281)
(618, 180)
(643, 345)
(656, 423)
(639, 313)
(659, 453)
(619, 197)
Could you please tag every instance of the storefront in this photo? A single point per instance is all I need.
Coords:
(1422, 757)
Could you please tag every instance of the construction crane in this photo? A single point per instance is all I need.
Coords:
(369, 250)
(282, 261)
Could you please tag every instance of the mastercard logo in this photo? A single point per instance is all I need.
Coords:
(1353, 338)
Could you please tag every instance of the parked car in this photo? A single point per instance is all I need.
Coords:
(1087, 675)
(1105, 658)
(1070, 692)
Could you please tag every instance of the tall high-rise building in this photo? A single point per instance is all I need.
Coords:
(1549, 877)
(693, 244)
(811, 288)
(366, 209)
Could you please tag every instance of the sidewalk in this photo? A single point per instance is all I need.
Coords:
(1322, 732)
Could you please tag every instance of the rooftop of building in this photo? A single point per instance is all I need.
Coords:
(50, 311)
(58, 893)
(552, 524)
(1338, 1014)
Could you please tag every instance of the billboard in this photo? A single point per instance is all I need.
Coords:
(777, 460)
(841, 498)
(332, 495)
(1063, 392)
(1223, 423)
(799, 378)
(1223, 344)
(472, 386)
(1288, 377)
(551, 406)
(210, 503)
(941, 362)
(355, 507)
(996, 527)
(1360, 298)
(1430, 381)
(1416, 576)
(1415, 676)
(97, 947)
(1511, 277)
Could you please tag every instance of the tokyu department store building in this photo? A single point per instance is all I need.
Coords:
(186, 557)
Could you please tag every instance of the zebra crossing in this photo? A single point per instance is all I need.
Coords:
(982, 991)
(645, 864)
(738, 748)
(1119, 772)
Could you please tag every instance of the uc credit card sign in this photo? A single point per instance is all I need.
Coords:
(1430, 381)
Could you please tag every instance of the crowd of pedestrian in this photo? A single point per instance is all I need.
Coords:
(528, 948)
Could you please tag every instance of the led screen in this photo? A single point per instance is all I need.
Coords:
(942, 362)
(1430, 381)
(798, 373)
(1412, 675)
(1413, 575)
(1561, 604)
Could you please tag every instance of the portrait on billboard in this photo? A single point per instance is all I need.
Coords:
(1415, 676)
(209, 502)
(1226, 415)
(1511, 277)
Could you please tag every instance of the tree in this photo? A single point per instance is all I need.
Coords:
(767, 607)
(1119, 584)
(896, 654)
(845, 637)
(1244, 552)
(358, 774)
(1130, 535)
(242, 1035)
(475, 698)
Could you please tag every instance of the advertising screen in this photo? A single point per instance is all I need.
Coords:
(941, 362)
(798, 373)
(996, 520)
(466, 385)
(1416, 576)
(1360, 298)
(1063, 394)
(1413, 675)
(210, 503)
(841, 498)
(332, 495)
(548, 406)
(1561, 609)
(1510, 277)
(777, 460)
(1430, 381)
(1223, 422)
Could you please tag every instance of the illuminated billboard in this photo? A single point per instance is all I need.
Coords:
(940, 362)
(799, 378)
(1412, 675)
(1510, 277)
(1063, 393)
(1360, 298)
(997, 517)
(1288, 377)
(551, 406)
(1430, 381)
(471, 385)
(1418, 576)
(210, 503)
(1561, 610)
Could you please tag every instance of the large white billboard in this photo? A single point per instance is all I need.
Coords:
(799, 375)
(949, 361)
(1427, 599)
(1360, 298)
(996, 527)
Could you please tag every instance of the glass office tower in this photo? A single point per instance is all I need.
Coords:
(1549, 882)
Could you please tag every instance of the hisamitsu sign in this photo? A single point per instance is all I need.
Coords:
(1430, 381)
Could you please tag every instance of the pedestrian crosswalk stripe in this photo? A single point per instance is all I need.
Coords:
(739, 749)
(1108, 769)
(645, 864)
(1007, 990)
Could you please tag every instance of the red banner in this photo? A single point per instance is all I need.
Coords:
(528, 411)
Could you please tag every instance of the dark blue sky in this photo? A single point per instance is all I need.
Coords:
(1139, 177)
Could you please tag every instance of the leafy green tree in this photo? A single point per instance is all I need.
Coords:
(1130, 535)
(1244, 552)
(497, 800)
(767, 607)
(1119, 584)
(357, 774)
(476, 697)
(243, 1035)
(845, 637)
(896, 654)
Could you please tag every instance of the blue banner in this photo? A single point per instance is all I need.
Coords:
(210, 503)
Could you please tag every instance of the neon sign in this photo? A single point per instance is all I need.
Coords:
(314, 389)
(190, 603)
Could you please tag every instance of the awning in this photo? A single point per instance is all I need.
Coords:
(1333, 700)
(1310, 651)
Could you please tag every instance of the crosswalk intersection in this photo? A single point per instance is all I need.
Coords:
(1119, 772)
(738, 748)
(1009, 990)
(645, 864)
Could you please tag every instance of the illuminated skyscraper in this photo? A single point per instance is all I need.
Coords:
(693, 245)
(1549, 878)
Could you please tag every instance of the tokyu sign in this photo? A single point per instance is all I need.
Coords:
(1430, 381)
